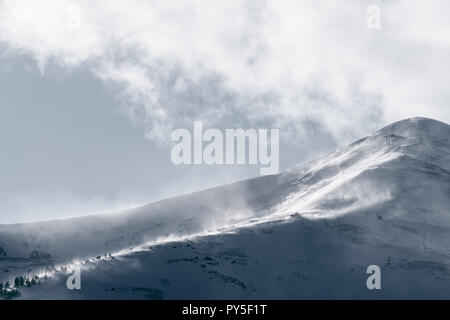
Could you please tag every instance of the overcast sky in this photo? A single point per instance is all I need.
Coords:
(91, 90)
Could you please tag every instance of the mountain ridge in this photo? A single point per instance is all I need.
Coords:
(299, 189)
(386, 194)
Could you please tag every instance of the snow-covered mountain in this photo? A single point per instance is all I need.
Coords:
(308, 232)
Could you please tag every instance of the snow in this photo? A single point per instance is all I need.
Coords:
(307, 232)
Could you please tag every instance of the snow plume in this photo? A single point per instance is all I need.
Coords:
(246, 63)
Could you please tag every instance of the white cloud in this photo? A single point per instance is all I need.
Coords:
(277, 62)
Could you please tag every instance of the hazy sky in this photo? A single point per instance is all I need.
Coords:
(91, 90)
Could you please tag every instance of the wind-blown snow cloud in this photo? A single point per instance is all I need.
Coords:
(247, 63)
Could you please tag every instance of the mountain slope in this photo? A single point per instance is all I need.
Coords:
(307, 232)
